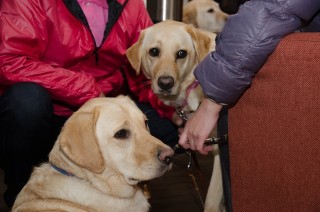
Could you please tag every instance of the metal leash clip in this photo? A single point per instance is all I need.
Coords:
(182, 113)
(176, 147)
(208, 142)
(215, 140)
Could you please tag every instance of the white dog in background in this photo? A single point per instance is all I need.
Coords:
(205, 15)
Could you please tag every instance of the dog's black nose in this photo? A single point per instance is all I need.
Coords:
(166, 156)
(165, 82)
(168, 160)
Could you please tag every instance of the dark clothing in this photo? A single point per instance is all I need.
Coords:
(222, 129)
(28, 130)
(230, 6)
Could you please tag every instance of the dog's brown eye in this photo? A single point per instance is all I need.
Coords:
(154, 52)
(181, 54)
(210, 10)
(122, 134)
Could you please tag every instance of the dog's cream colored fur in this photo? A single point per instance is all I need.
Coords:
(107, 147)
(170, 37)
(205, 15)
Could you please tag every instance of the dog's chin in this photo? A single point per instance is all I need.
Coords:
(161, 171)
(166, 95)
(132, 181)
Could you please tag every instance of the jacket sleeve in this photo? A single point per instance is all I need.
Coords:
(23, 43)
(245, 43)
(140, 85)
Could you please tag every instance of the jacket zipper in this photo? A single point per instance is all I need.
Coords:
(115, 10)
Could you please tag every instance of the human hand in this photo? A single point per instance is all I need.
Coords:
(199, 126)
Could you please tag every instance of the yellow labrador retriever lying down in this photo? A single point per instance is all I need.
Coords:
(167, 53)
(103, 151)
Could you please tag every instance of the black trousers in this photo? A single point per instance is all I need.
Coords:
(222, 129)
(28, 130)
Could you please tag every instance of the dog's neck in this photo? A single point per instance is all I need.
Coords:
(102, 181)
(189, 96)
(62, 171)
(188, 90)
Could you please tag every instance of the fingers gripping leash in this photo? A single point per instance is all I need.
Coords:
(192, 158)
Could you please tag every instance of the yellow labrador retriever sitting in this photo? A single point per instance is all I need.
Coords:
(103, 151)
(167, 53)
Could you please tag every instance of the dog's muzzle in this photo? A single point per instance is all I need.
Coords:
(166, 156)
(165, 83)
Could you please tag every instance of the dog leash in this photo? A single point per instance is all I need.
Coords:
(209, 141)
(183, 114)
(192, 159)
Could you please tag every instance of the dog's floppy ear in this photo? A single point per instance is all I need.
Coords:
(203, 41)
(189, 15)
(134, 54)
(78, 141)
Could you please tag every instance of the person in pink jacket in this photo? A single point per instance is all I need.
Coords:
(55, 56)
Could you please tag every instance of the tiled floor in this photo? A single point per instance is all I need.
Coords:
(172, 192)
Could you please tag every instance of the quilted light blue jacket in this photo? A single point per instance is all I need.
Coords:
(247, 40)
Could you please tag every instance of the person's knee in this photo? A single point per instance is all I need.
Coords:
(26, 112)
(26, 99)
